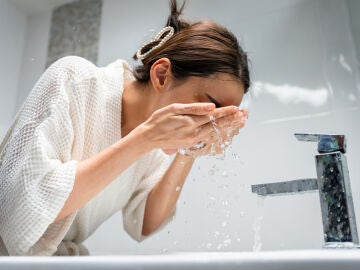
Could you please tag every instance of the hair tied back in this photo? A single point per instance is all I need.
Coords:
(159, 37)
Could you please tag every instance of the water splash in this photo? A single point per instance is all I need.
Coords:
(213, 148)
(220, 139)
(236, 156)
(257, 224)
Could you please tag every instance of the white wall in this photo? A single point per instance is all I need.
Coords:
(354, 7)
(35, 52)
(12, 33)
(23, 52)
(305, 80)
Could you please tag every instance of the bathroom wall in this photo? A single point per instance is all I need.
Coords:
(305, 79)
(12, 33)
(354, 7)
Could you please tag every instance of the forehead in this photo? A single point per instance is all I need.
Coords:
(224, 88)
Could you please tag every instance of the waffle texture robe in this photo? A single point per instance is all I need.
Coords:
(72, 113)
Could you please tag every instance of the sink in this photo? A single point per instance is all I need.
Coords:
(327, 259)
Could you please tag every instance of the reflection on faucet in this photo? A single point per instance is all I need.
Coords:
(333, 183)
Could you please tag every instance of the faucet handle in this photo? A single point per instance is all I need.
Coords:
(326, 143)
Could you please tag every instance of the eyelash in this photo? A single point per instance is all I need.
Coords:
(216, 104)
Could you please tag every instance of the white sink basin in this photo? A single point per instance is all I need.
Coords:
(278, 260)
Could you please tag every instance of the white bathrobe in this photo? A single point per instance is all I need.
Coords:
(73, 113)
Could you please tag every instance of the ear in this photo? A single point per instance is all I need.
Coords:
(160, 74)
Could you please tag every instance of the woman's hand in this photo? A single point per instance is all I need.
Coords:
(182, 125)
(224, 128)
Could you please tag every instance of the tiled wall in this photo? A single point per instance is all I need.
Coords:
(75, 30)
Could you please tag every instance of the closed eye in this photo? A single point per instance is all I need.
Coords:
(213, 100)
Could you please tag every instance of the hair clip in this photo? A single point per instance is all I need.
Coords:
(169, 29)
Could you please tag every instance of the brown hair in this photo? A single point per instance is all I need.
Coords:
(199, 49)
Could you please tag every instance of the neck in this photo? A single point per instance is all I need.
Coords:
(137, 105)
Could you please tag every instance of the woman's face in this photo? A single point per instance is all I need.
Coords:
(221, 89)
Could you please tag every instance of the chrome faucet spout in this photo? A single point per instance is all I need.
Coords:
(287, 187)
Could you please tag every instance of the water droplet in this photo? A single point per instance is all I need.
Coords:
(227, 242)
(238, 239)
(32, 59)
(213, 150)
(338, 219)
(242, 213)
(224, 174)
(224, 223)
(178, 188)
(216, 234)
(331, 169)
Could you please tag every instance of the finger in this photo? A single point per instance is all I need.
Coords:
(245, 112)
(216, 114)
(235, 119)
(224, 111)
(169, 151)
(205, 131)
(200, 108)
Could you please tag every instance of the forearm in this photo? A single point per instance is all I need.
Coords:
(162, 199)
(97, 172)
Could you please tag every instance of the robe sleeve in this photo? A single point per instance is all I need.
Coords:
(36, 170)
(134, 210)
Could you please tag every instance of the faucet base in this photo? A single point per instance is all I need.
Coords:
(341, 245)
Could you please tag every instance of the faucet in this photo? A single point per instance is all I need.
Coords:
(333, 184)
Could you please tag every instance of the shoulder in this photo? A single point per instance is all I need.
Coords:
(73, 64)
(73, 67)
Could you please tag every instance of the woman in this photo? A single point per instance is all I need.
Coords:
(91, 141)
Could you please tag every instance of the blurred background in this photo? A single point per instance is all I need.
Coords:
(305, 72)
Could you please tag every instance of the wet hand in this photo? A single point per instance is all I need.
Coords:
(223, 129)
(181, 125)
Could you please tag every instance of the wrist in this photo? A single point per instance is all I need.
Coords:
(137, 140)
(185, 159)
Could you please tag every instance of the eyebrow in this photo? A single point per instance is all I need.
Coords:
(213, 100)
